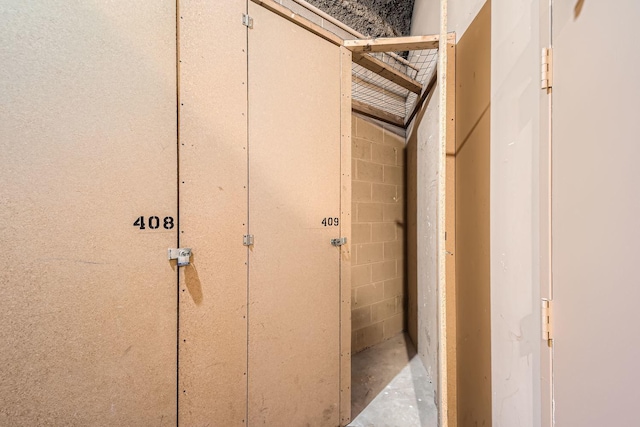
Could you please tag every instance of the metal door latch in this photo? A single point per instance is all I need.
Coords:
(339, 242)
(181, 254)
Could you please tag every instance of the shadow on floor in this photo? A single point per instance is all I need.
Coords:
(391, 388)
(375, 367)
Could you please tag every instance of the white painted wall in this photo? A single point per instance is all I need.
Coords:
(427, 142)
(515, 135)
(596, 236)
(426, 16)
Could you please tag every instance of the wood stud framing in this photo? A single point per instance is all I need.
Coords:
(387, 71)
(376, 113)
(443, 357)
(345, 231)
(393, 44)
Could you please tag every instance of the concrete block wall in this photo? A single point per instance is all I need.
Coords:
(378, 234)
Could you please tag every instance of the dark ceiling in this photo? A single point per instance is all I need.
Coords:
(375, 18)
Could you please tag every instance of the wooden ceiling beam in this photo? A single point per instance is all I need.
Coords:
(387, 71)
(393, 44)
(376, 113)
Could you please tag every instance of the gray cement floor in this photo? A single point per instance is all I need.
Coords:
(390, 387)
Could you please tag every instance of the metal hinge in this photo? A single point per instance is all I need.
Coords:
(547, 326)
(181, 254)
(247, 21)
(247, 240)
(546, 75)
(339, 242)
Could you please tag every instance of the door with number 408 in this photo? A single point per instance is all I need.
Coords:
(88, 301)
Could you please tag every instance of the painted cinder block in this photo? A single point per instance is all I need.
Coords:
(377, 273)
(393, 288)
(400, 230)
(368, 336)
(383, 193)
(360, 233)
(361, 149)
(383, 154)
(360, 275)
(360, 191)
(393, 326)
(384, 309)
(401, 268)
(393, 175)
(371, 172)
(370, 252)
(383, 271)
(383, 231)
(368, 131)
(368, 294)
(400, 194)
(393, 250)
(401, 157)
(360, 317)
(370, 212)
(390, 138)
(393, 212)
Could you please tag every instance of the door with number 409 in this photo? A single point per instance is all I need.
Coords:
(294, 213)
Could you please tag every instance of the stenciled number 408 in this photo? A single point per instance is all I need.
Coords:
(153, 222)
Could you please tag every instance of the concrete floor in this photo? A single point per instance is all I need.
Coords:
(390, 387)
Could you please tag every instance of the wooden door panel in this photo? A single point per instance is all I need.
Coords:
(88, 140)
(213, 213)
(294, 183)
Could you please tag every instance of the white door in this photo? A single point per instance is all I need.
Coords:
(596, 206)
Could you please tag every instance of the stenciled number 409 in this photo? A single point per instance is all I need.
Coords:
(153, 222)
(330, 222)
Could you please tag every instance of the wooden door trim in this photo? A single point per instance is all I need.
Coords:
(443, 385)
(345, 231)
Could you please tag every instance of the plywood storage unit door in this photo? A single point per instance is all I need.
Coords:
(213, 213)
(596, 237)
(294, 184)
(88, 141)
